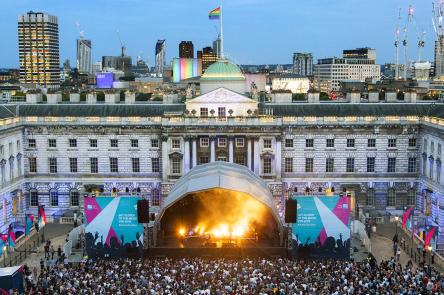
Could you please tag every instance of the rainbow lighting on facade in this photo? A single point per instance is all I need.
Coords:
(185, 68)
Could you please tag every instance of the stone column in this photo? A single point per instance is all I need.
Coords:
(186, 156)
(249, 154)
(257, 158)
(212, 149)
(165, 160)
(278, 157)
(194, 152)
(230, 149)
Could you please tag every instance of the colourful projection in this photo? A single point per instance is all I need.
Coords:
(185, 68)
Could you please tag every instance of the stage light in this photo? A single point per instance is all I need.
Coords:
(182, 232)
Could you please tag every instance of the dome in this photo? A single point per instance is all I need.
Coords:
(223, 70)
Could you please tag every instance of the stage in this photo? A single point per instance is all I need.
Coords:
(269, 252)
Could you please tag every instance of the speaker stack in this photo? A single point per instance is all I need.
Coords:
(143, 211)
(291, 208)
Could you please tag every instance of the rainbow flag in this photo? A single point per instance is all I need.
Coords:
(11, 236)
(430, 233)
(29, 223)
(407, 214)
(42, 216)
(215, 13)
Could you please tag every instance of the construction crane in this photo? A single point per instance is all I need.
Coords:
(405, 42)
(438, 12)
(81, 32)
(420, 35)
(397, 45)
(122, 46)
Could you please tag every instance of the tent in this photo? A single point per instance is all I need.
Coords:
(11, 278)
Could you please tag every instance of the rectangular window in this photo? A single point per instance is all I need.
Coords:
(371, 142)
(289, 142)
(309, 143)
(222, 142)
(94, 165)
(329, 165)
(155, 165)
(288, 168)
(52, 143)
(204, 160)
(52, 165)
(391, 198)
(32, 164)
(239, 159)
(221, 112)
(411, 198)
(32, 143)
(371, 164)
(54, 198)
(391, 165)
(204, 112)
(114, 143)
(391, 142)
(412, 142)
(135, 164)
(154, 143)
(175, 143)
(350, 142)
(72, 142)
(134, 143)
(18, 145)
(438, 173)
(370, 200)
(350, 166)
(93, 143)
(19, 166)
(432, 147)
(73, 165)
(330, 142)
(240, 142)
(34, 198)
(74, 198)
(412, 165)
(308, 164)
(204, 142)
(439, 150)
(267, 143)
(267, 166)
(176, 165)
(113, 165)
(425, 147)
(222, 158)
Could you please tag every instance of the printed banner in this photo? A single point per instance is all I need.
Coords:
(42, 216)
(111, 227)
(29, 223)
(322, 229)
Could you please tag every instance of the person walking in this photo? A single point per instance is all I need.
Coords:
(52, 252)
(59, 252)
(42, 264)
(46, 251)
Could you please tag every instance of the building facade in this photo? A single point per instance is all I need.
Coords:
(38, 35)
(186, 49)
(303, 64)
(160, 57)
(84, 56)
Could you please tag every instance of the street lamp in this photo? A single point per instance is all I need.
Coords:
(4, 256)
(430, 248)
(396, 224)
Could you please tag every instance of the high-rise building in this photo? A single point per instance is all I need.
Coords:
(360, 53)
(84, 56)
(303, 64)
(160, 57)
(438, 58)
(208, 57)
(186, 49)
(38, 35)
(217, 47)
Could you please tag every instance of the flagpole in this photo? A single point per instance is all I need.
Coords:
(221, 34)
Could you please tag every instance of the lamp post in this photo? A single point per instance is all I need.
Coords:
(4, 256)
(396, 224)
(430, 248)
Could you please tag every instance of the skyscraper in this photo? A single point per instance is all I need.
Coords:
(160, 56)
(186, 49)
(303, 64)
(38, 35)
(208, 57)
(438, 58)
(217, 47)
(84, 56)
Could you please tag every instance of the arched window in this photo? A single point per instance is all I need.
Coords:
(155, 197)
(33, 198)
(370, 201)
(391, 197)
(74, 198)
(54, 198)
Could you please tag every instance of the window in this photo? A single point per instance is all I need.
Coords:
(438, 172)
(370, 198)
(176, 165)
(308, 164)
(392, 142)
(350, 142)
(33, 198)
(222, 142)
(424, 165)
(412, 165)
(289, 142)
(371, 142)
(391, 165)
(431, 162)
(19, 166)
(309, 142)
(350, 166)
(93, 143)
(432, 147)
(18, 146)
(54, 198)
(240, 142)
(154, 143)
(425, 147)
(329, 165)
(204, 142)
(11, 168)
(72, 142)
(391, 198)
(155, 165)
(135, 162)
(155, 197)
(288, 167)
(371, 164)
(52, 165)
(412, 142)
(32, 161)
(411, 197)
(267, 166)
(204, 160)
(94, 165)
(113, 165)
(267, 143)
(221, 112)
(204, 112)
(74, 198)
(439, 150)
(114, 143)
(330, 142)
(52, 143)
(239, 159)
(222, 158)
(32, 143)
(134, 143)
(73, 165)
(175, 143)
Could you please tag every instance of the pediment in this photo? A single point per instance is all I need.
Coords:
(222, 95)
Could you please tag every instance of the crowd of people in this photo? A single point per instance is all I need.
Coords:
(235, 276)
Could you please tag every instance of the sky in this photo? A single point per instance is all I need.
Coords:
(255, 31)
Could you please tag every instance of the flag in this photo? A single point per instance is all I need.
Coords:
(215, 13)
(430, 233)
(42, 216)
(29, 223)
(406, 216)
(11, 236)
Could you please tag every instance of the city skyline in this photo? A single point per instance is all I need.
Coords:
(179, 21)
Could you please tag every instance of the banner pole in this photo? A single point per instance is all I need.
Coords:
(221, 34)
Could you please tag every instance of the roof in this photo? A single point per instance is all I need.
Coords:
(221, 95)
(8, 271)
(223, 70)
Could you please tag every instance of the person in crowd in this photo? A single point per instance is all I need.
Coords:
(52, 252)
